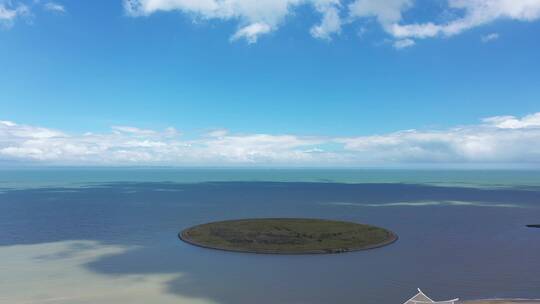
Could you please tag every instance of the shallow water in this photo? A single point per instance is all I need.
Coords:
(116, 242)
(73, 177)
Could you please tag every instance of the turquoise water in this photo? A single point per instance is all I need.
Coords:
(66, 177)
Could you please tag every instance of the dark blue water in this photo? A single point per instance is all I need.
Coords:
(454, 241)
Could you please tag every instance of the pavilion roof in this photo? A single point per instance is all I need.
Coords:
(422, 298)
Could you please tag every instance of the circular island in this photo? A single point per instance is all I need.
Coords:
(287, 236)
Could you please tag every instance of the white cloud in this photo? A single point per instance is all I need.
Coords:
(386, 12)
(130, 145)
(10, 11)
(474, 13)
(331, 22)
(258, 17)
(218, 133)
(403, 43)
(7, 123)
(255, 17)
(147, 7)
(512, 122)
(497, 140)
(55, 7)
(252, 32)
(489, 37)
(132, 130)
(260, 148)
(9, 129)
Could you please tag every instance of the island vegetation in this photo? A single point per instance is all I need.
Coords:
(287, 236)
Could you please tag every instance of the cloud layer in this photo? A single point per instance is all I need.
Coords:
(258, 17)
(497, 140)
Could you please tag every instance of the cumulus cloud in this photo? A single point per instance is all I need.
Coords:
(255, 17)
(496, 140)
(258, 17)
(470, 14)
(331, 22)
(473, 13)
(512, 122)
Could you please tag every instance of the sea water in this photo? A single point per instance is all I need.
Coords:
(110, 235)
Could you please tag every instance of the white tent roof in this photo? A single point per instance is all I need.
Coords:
(421, 298)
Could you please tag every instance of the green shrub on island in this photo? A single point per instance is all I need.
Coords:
(287, 236)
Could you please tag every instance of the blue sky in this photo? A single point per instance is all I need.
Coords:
(268, 68)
